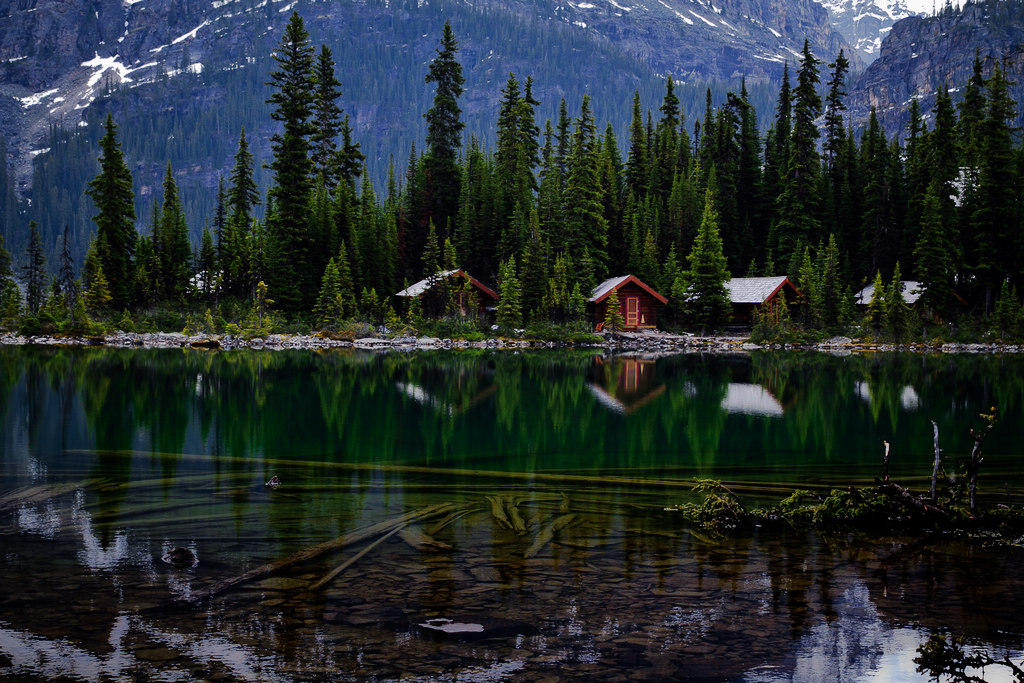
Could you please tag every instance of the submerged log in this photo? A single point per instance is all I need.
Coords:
(547, 533)
(315, 551)
(38, 494)
(418, 539)
(352, 560)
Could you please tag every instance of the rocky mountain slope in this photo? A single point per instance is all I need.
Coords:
(865, 22)
(921, 54)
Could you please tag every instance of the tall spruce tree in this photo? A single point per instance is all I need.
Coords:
(174, 252)
(444, 131)
(34, 271)
(326, 119)
(707, 299)
(291, 280)
(111, 192)
(799, 201)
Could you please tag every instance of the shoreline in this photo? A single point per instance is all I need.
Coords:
(622, 342)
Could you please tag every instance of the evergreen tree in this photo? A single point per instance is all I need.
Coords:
(97, 292)
(586, 230)
(326, 119)
(799, 201)
(292, 101)
(444, 131)
(897, 313)
(244, 194)
(66, 277)
(613, 319)
(509, 316)
(995, 220)
(10, 298)
(636, 163)
(874, 314)
(34, 271)
(111, 192)
(330, 307)
(933, 256)
(707, 299)
(206, 265)
(174, 252)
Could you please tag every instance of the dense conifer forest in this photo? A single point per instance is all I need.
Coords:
(547, 209)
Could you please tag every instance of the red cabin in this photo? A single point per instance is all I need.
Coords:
(637, 301)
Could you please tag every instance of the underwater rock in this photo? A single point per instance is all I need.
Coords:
(181, 558)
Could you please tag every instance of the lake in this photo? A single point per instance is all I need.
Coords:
(483, 515)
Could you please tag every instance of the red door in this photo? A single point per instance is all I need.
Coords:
(632, 311)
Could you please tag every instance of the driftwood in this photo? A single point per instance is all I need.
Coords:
(448, 519)
(973, 463)
(309, 553)
(547, 533)
(911, 502)
(37, 494)
(352, 560)
(418, 539)
(498, 512)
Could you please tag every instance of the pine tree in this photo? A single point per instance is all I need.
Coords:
(34, 271)
(897, 313)
(111, 192)
(174, 251)
(330, 307)
(444, 130)
(586, 230)
(68, 284)
(509, 316)
(799, 201)
(995, 220)
(326, 119)
(292, 100)
(10, 298)
(933, 256)
(874, 314)
(707, 300)
(206, 265)
(613, 320)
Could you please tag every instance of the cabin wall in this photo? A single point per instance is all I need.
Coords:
(647, 308)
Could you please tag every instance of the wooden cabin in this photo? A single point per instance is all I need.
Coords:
(472, 297)
(748, 294)
(638, 302)
(624, 384)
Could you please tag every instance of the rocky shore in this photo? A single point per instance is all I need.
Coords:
(647, 342)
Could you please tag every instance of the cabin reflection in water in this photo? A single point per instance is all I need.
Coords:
(751, 399)
(624, 384)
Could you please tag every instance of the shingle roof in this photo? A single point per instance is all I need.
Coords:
(753, 290)
(426, 283)
(597, 294)
(911, 292)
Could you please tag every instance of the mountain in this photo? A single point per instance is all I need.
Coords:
(921, 54)
(865, 22)
(58, 57)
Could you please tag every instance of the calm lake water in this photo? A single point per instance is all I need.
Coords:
(541, 480)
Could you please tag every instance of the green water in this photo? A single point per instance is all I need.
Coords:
(110, 458)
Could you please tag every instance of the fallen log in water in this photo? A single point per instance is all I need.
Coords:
(420, 540)
(315, 551)
(352, 560)
(547, 533)
(38, 494)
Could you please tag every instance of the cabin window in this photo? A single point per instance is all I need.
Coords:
(632, 310)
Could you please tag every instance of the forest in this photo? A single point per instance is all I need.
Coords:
(549, 210)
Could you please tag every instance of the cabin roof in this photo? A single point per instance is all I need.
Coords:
(601, 292)
(754, 290)
(426, 283)
(911, 290)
